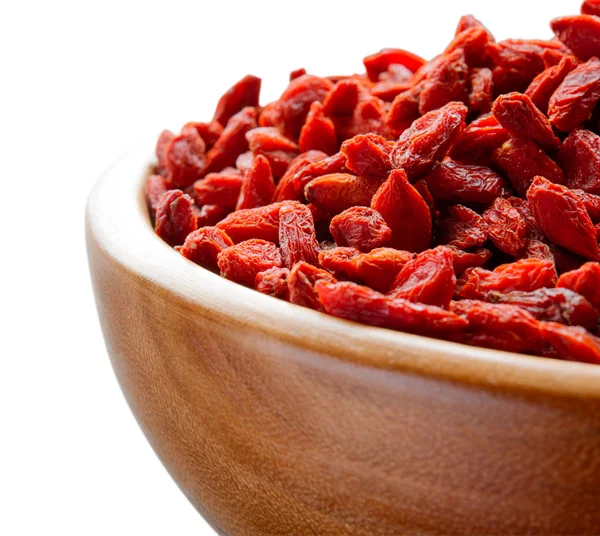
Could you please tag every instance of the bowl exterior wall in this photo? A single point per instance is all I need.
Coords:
(269, 438)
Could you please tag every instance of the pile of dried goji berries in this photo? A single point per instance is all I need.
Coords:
(457, 198)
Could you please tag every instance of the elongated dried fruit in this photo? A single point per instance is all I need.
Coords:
(581, 34)
(204, 245)
(174, 217)
(185, 159)
(405, 213)
(297, 237)
(360, 227)
(517, 114)
(261, 222)
(428, 278)
(244, 93)
(585, 281)
(525, 275)
(522, 160)
(465, 183)
(318, 132)
(580, 157)
(505, 227)
(563, 218)
(258, 186)
(552, 305)
(337, 192)
(301, 285)
(428, 139)
(353, 302)
(499, 326)
(221, 189)
(570, 343)
(241, 262)
(576, 97)
(273, 282)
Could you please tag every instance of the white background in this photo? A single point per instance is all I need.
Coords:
(81, 81)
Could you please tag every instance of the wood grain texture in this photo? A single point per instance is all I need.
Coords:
(278, 420)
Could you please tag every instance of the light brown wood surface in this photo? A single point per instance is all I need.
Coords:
(278, 420)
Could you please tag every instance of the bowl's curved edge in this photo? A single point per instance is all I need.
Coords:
(117, 217)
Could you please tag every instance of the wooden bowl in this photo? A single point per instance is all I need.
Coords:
(275, 419)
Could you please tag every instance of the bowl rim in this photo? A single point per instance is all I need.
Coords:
(118, 222)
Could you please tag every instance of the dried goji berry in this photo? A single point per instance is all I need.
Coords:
(290, 111)
(297, 73)
(174, 217)
(481, 91)
(244, 161)
(221, 189)
(469, 21)
(261, 222)
(377, 63)
(258, 186)
(404, 109)
(518, 61)
(161, 151)
(472, 43)
(522, 160)
(185, 159)
(273, 282)
(462, 260)
(297, 236)
(244, 93)
(547, 82)
(505, 227)
(551, 305)
(465, 183)
(369, 117)
(499, 326)
(524, 274)
(301, 284)
(428, 139)
(563, 218)
(209, 132)
(332, 164)
(517, 114)
(585, 281)
(264, 139)
(576, 96)
(448, 82)
(477, 142)
(232, 142)
(204, 245)
(156, 186)
(580, 157)
(388, 90)
(337, 192)
(209, 215)
(379, 267)
(570, 342)
(338, 260)
(343, 98)
(360, 227)
(241, 262)
(405, 212)
(287, 188)
(362, 304)
(590, 7)
(368, 155)
(591, 203)
(428, 278)
(318, 132)
(534, 231)
(535, 249)
(580, 33)
(462, 228)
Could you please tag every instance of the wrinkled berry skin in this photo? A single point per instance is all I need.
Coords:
(174, 217)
